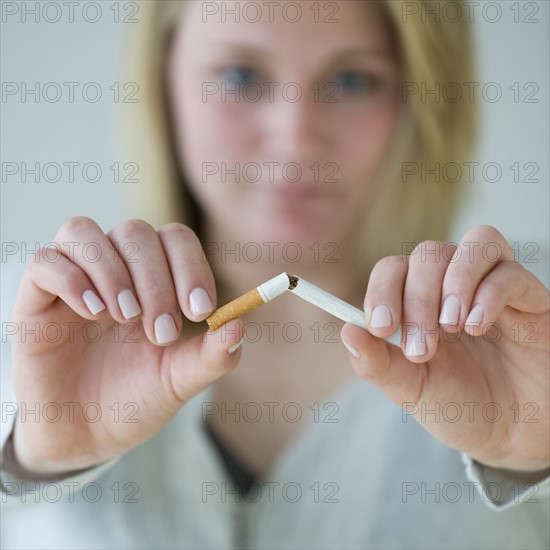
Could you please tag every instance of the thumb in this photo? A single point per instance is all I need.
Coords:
(384, 365)
(194, 364)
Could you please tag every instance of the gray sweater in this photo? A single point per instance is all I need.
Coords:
(363, 475)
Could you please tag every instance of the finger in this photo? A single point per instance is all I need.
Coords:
(421, 299)
(194, 364)
(508, 284)
(384, 365)
(384, 297)
(50, 275)
(478, 253)
(191, 273)
(102, 264)
(152, 279)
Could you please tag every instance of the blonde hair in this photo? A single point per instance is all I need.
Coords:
(431, 130)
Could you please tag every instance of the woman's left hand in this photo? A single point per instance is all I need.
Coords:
(473, 367)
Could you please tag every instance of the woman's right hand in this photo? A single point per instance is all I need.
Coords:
(127, 362)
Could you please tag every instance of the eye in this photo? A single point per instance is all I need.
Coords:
(239, 75)
(356, 83)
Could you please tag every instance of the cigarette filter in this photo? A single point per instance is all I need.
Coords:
(249, 301)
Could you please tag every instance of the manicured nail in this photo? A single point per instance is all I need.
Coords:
(352, 350)
(475, 315)
(128, 304)
(416, 344)
(200, 302)
(381, 317)
(165, 329)
(450, 313)
(93, 302)
(235, 347)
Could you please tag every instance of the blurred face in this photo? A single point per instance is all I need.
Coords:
(281, 126)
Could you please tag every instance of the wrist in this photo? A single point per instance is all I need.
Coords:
(19, 461)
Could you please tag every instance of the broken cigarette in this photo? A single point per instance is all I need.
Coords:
(275, 287)
(329, 303)
(249, 301)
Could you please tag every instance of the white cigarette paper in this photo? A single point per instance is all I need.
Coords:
(326, 301)
(274, 287)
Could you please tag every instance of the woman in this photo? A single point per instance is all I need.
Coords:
(291, 448)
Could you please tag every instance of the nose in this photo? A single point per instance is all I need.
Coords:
(294, 126)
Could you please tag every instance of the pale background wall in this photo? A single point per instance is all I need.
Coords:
(83, 52)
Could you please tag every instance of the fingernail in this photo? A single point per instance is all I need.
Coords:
(200, 302)
(416, 344)
(381, 317)
(93, 302)
(352, 350)
(450, 312)
(128, 304)
(165, 329)
(235, 347)
(475, 315)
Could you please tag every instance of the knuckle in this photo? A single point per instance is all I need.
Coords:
(428, 252)
(418, 305)
(179, 230)
(486, 233)
(160, 288)
(389, 262)
(132, 228)
(427, 245)
(77, 225)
